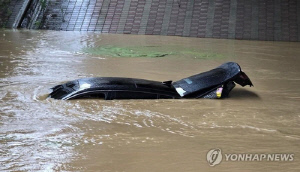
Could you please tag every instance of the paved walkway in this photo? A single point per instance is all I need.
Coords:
(234, 19)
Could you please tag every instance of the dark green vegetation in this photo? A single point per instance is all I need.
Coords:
(37, 24)
(5, 12)
(43, 3)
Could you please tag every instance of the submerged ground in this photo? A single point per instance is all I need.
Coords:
(37, 133)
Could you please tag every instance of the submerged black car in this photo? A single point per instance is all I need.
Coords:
(216, 83)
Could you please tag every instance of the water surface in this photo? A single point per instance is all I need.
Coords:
(38, 133)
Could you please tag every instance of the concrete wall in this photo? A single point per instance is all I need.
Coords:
(277, 20)
(8, 11)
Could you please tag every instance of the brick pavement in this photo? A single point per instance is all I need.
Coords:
(270, 20)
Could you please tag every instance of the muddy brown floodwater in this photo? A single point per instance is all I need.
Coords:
(38, 133)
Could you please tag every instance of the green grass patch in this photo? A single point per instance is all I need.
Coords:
(149, 52)
(203, 55)
(124, 52)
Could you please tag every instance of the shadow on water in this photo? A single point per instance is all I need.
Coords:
(239, 93)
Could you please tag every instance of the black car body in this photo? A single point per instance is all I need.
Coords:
(216, 83)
